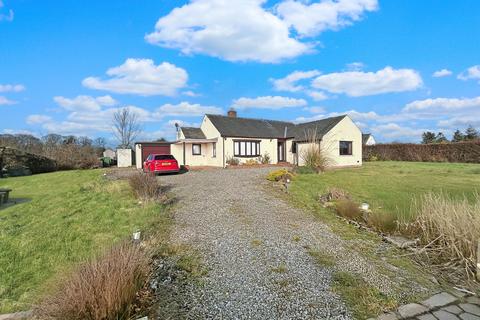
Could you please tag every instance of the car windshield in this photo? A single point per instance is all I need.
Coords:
(164, 157)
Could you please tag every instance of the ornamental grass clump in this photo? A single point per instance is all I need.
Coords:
(101, 289)
(313, 154)
(449, 230)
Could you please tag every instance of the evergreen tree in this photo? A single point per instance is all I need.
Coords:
(440, 138)
(458, 136)
(428, 137)
(471, 134)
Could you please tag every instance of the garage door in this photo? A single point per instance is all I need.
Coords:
(154, 149)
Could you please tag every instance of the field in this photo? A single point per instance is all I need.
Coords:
(64, 218)
(390, 187)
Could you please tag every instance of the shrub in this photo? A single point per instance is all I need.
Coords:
(348, 209)
(232, 161)
(101, 289)
(439, 152)
(145, 186)
(265, 159)
(450, 228)
(251, 162)
(281, 174)
(313, 155)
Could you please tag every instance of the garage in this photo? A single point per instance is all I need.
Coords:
(143, 149)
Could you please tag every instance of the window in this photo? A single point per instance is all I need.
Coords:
(196, 149)
(214, 150)
(164, 157)
(345, 148)
(243, 148)
(294, 147)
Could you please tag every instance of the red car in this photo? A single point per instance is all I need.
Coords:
(161, 163)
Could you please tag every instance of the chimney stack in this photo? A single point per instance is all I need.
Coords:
(232, 113)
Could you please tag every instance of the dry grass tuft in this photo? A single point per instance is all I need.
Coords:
(313, 155)
(145, 186)
(334, 194)
(101, 289)
(383, 222)
(449, 229)
(348, 209)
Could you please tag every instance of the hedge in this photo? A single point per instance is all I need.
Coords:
(17, 162)
(467, 152)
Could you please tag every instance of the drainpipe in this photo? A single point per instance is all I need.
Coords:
(223, 150)
(184, 154)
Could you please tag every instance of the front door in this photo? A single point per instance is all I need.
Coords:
(281, 151)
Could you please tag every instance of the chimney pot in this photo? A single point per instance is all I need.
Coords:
(232, 113)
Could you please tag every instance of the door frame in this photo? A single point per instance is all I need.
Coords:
(281, 151)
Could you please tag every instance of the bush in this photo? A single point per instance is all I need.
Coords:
(232, 161)
(468, 152)
(451, 229)
(102, 289)
(280, 175)
(348, 209)
(251, 162)
(145, 186)
(265, 159)
(334, 194)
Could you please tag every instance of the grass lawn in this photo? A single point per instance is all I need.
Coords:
(68, 217)
(390, 187)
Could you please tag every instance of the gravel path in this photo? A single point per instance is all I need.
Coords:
(254, 248)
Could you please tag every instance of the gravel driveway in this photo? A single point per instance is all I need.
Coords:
(254, 248)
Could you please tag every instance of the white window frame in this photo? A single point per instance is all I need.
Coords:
(246, 148)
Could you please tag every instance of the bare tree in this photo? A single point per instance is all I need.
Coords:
(126, 127)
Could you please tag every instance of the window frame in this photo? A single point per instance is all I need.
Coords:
(254, 148)
(214, 150)
(199, 149)
(349, 148)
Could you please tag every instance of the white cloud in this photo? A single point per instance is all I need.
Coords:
(311, 19)
(185, 109)
(357, 83)
(86, 103)
(5, 101)
(11, 87)
(317, 95)
(38, 119)
(396, 131)
(8, 16)
(268, 102)
(190, 93)
(471, 73)
(315, 109)
(442, 73)
(446, 104)
(355, 66)
(142, 77)
(289, 82)
(243, 30)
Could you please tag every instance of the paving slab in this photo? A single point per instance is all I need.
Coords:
(439, 300)
(474, 300)
(470, 308)
(411, 310)
(388, 316)
(452, 309)
(444, 315)
(426, 316)
(468, 316)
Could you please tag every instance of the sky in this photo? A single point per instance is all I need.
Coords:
(396, 67)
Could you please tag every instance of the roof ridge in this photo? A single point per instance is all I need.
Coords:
(329, 118)
(258, 119)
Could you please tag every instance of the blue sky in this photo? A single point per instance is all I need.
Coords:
(397, 67)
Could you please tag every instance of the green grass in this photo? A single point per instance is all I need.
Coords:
(365, 300)
(389, 187)
(69, 217)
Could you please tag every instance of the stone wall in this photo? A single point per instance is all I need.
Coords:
(14, 162)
